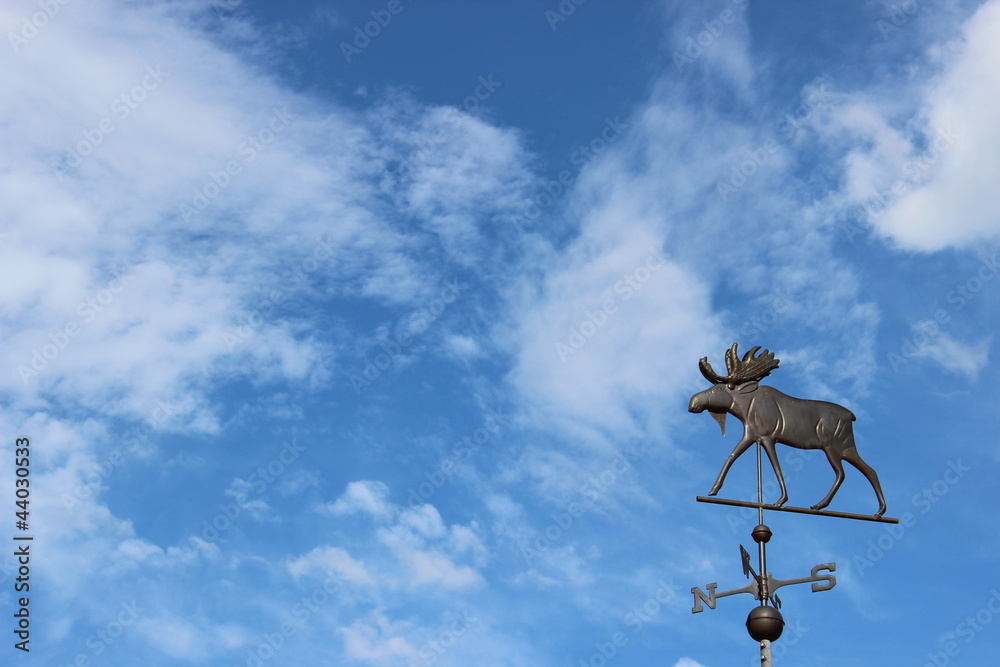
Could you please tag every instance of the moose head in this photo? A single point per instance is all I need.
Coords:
(742, 380)
(770, 416)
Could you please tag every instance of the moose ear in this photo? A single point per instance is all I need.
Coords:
(747, 387)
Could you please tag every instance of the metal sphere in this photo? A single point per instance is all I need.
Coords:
(765, 623)
(761, 534)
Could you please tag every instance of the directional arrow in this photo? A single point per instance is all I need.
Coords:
(747, 568)
(816, 577)
(820, 582)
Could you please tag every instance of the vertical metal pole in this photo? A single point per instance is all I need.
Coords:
(760, 487)
(761, 551)
(765, 654)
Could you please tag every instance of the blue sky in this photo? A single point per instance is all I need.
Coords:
(376, 350)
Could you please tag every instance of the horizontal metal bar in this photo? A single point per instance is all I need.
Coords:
(799, 510)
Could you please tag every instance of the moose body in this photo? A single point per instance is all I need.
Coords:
(770, 416)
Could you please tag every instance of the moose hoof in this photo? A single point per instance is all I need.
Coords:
(819, 506)
(713, 492)
(880, 512)
(781, 501)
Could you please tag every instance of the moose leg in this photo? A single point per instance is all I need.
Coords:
(838, 467)
(741, 447)
(852, 457)
(772, 456)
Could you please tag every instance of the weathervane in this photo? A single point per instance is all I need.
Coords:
(770, 417)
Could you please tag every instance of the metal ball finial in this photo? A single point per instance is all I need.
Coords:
(761, 533)
(765, 623)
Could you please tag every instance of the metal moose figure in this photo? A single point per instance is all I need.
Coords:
(770, 416)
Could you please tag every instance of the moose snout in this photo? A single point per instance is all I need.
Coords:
(695, 405)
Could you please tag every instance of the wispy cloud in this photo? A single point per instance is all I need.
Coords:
(966, 359)
(920, 172)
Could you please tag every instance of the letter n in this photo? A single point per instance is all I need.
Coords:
(699, 596)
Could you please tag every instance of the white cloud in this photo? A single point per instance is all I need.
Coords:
(417, 538)
(183, 194)
(463, 347)
(138, 550)
(364, 496)
(242, 491)
(330, 559)
(124, 197)
(927, 180)
(433, 567)
(661, 272)
(688, 662)
(715, 39)
(421, 522)
(456, 184)
(148, 250)
(297, 481)
(328, 16)
(966, 359)
(428, 549)
(603, 331)
(466, 539)
(176, 638)
(378, 641)
(135, 554)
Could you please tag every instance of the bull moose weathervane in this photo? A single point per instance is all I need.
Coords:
(771, 417)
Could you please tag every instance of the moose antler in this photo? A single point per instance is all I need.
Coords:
(750, 368)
